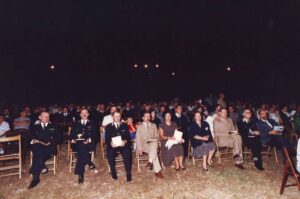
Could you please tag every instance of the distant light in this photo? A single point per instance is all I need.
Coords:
(135, 65)
(228, 69)
(146, 65)
(156, 66)
(52, 67)
(173, 74)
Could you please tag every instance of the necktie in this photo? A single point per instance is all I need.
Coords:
(43, 126)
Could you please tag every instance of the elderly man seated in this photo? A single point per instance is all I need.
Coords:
(227, 135)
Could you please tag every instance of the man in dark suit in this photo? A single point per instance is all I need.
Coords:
(64, 121)
(115, 130)
(270, 136)
(82, 139)
(250, 135)
(44, 138)
(182, 123)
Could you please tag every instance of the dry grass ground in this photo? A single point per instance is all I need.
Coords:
(223, 181)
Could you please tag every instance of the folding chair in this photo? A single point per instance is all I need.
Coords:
(119, 161)
(195, 159)
(223, 151)
(267, 152)
(13, 156)
(142, 160)
(102, 143)
(247, 153)
(52, 162)
(73, 157)
(289, 170)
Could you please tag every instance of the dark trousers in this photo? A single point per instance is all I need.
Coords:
(127, 159)
(255, 145)
(83, 157)
(186, 146)
(40, 155)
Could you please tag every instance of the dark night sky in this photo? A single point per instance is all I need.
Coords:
(94, 45)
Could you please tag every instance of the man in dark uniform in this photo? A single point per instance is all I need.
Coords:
(44, 138)
(113, 131)
(182, 123)
(251, 137)
(82, 138)
(64, 121)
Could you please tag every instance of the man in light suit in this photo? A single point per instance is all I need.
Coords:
(147, 142)
(227, 135)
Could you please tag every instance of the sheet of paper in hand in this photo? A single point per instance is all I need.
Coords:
(233, 132)
(178, 135)
(278, 128)
(117, 140)
(293, 113)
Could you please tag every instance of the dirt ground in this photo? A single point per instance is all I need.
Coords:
(223, 181)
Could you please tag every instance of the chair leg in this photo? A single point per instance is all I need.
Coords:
(284, 180)
(20, 167)
(194, 163)
(54, 164)
(71, 160)
(138, 162)
(219, 156)
(275, 153)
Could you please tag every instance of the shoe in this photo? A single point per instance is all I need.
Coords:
(129, 178)
(114, 177)
(237, 157)
(259, 167)
(44, 171)
(210, 165)
(206, 170)
(80, 180)
(159, 174)
(92, 166)
(239, 166)
(183, 168)
(33, 184)
(177, 169)
(149, 166)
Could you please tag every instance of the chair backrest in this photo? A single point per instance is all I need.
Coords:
(10, 139)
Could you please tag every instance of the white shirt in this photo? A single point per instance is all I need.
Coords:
(4, 127)
(107, 120)
(83, 122)
(44, 125)
(178, 115)
(117, 124)
(210, 120)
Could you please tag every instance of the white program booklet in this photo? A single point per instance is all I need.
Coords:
(117, 140)
(178, 135)
(293, 113)
(278, 128)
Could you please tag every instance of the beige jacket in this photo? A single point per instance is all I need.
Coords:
(145, 134)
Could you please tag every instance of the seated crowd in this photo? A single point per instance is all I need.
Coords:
(165, 132)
